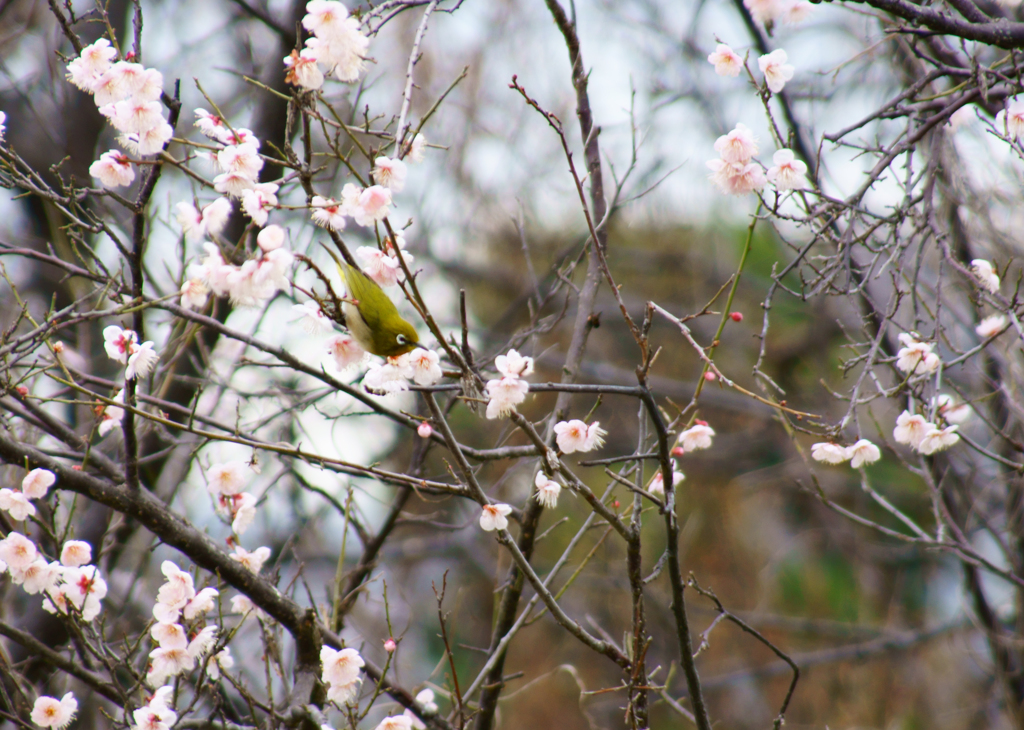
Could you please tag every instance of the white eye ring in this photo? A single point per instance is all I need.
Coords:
(401, 339)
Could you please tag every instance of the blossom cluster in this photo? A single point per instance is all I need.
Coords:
(769, 12)
(916, 357)
(508, 391)
(421, 366)
(924, 437)
(337, 44)
(71, 583)
(226, 483)
(736, 172)
(157, 714)
(341, 673)
(174, 653)
(123, 346)
(861, 453)
(384, 266)
(17, 502)
(128, 95)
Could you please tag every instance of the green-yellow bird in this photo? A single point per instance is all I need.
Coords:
(372, 317)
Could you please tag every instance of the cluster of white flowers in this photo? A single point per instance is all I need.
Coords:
(510, 390)
(157, 714)
(384, 266)
(365, 206)
(736, 172)
(769, 12)
(337, 44)
(123, 346)
(425, 699)
(128, 95)
(576, 435)
(226, 483)
(924, 437)
(174, 653)
(859, 454)
(916, 357)
(70, 583)
(341, 673)
(16, 502)
(495, 516)
(254, 282)
(54, 713)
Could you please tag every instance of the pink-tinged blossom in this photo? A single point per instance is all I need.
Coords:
(241, 158)
(210, 221)
(270, 239)
(765, 12)
(737, 178)
(40, 577)
(167, 662)
(169, 635)
(203, 603)
(54, 713)
(504, 395)
(1010, 121)
(324, 18)
(575, 435)
(343, 694)
(738, 146)
(390, 173)
(118, 82)
(327, 213)
(340, 666)
(494, 517)
(775, 69)
(395, 722)
(949, 410)
(341, 49)
(258, 201)
(696, 437)
(863, 452)
(133, 116)
(83, 588)
(425, 699)
(240, 135)
(204, 641)
(371, 206)
(233, 183)
(345, 351)
(16, 504)
(209, 124)
(991, 326)
(788, 172)
(147, 142)
(425, 365)
(239, 508)
(986, 274)
(387, 378)
(547, 490)
(301, 69)
(75, 553)
(37, 483)
(416, 149)
(18, 551)
(228, 478)
(194, 294)
(937, 439)
(214, 271)
(726, 61)
(149, 86)
(829, 453)
(174, 594)
(154, 716)
(514, 365)
(119, 343)
(916, 357)
(312, 318)
(251, 561)
(222, 661)
(111, 416)
(384, 267)
(243, 604)
(142, 361)
(113, 169)
(92, 62)
(657, 483)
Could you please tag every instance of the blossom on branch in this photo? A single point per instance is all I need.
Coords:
(698, 436)
(657, 483)
(494, 517)
(345, 351)
(113, 169)
(991, 326)
(327, 213)
(863, 452)
(54, 713)
(775, 69)
(937, 439)
(504, 395)
(788, 172)
(119, 343)
(252, 561)
(916, 357)
(910, 429)
(547, 490)
(425, 699)
(986, 274)
(829, 453)
(389, 173)
(726, 61)
(576, 435)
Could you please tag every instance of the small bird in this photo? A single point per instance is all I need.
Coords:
(372, 317)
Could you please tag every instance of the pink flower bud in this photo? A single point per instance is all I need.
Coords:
(677, 451)
(390, 645)
(736, 316)
(424, 430)
(710, 376)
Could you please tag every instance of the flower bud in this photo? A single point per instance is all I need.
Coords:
(710, 376)
(425, 430)
(390, 645)
(736, 316)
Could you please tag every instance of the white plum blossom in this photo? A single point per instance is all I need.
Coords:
(258, 201)
(576, 435)
(416, 148)
(986, 274)
(311, 316)
(698, 436)
(194, 294)
(228, 478)
(395, 722)
(788, 172)
(937, 439)
(204, 641)
(425, 365)
(209, 124)
(119, 343)
(425, 699)
(775, 69)
(829, 453)
(391, 377)
(54, 713)
(738, 146)
(40, 577)
(222, 661)
(243, 511)
(338, 42)
(302, 69)
(341, 673)
(111, 416)
(113, 169)
(37, 483)
(547, 490)
(75, 553)
(210, 221)
(91, 64)
(149, 141)
(514, 365)
(494, 517)
(383, 266)
(141, 362)
(991, 326)
(737, 178)
(390, 173)
(916, 357)
(726, 61)
(18, 552)
(1010, 121)
(369, 206)
(252, 561)
(328, 213)
(862, 452)
(156, 715)
(950, 411)
(345, 351)
(16, 503)
(504, 395)
(203, 602)
(657, 483)
(910, 429)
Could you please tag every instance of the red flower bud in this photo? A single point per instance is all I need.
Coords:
(736, 316)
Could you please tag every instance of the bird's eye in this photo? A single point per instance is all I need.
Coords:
(401, 339)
